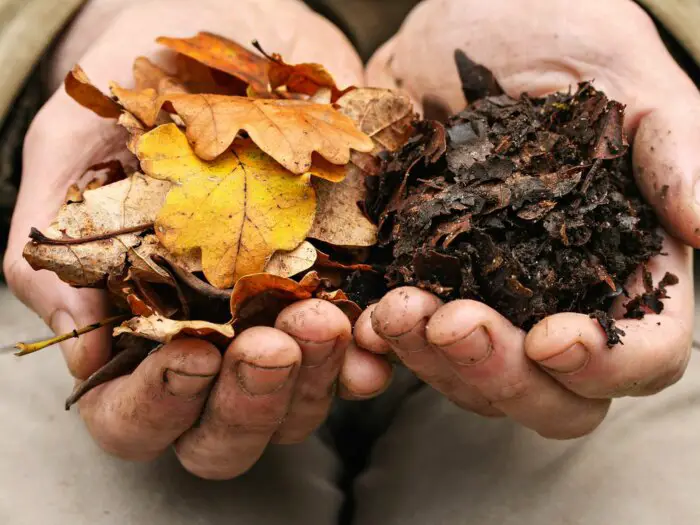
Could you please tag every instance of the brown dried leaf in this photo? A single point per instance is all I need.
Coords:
(80, 89)
(340, 299)
(164, 330)
(128, 203)
(384, 115)
(251, 286)
(324, 261)
(339, 220)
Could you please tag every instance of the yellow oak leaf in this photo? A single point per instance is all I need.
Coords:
(237, 210)
(287, 130)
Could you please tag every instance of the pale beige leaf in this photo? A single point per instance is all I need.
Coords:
(339, 220)
(164, 330)
(384, 115)
(286, 264)
(128, 203)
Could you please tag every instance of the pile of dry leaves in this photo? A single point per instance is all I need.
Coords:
(247, 172)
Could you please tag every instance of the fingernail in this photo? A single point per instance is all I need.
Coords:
(410, 342)
(571, 360)
(259, 380)
(471, 350)
(315, 353)
(183, 384)
(61, 322)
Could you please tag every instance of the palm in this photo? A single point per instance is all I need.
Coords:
(562, 367)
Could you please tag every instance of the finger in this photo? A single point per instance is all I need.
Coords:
(655, 350)
(486, 352)
(323, 333)
(138, 416)
(667, 165)
(365, 335)
(400, 319)
(364, 375)
(246, 406)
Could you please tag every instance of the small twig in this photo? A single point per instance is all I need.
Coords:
(38, 237)
(29, 348)
(195, 282)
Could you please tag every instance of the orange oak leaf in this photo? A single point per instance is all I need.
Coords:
(149, 75)
(236, 211)
(223, 54)
(302, 78)
(80, 89)
(251, 286)
(287, 130)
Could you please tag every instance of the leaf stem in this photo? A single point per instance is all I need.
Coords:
(271, 58)
(38, 237)
(30, 348)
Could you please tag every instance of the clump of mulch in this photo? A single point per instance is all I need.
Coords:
(528, 205)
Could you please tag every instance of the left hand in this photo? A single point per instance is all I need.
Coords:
(559, 378)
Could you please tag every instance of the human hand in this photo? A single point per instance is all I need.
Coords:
(557, 379)
(272, 384)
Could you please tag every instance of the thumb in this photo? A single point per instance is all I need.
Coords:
(54, 157)
(64, 309)
(667, 164)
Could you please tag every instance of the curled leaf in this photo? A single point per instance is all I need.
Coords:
(225, 55)
(237, 210)
(301, 78)
(80, 89)
(164, 330)
(351, 309)
(283, 288)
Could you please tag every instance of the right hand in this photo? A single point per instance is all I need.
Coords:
(272, 384)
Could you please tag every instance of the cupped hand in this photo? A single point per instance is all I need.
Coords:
(272, 384)
(559, 378)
